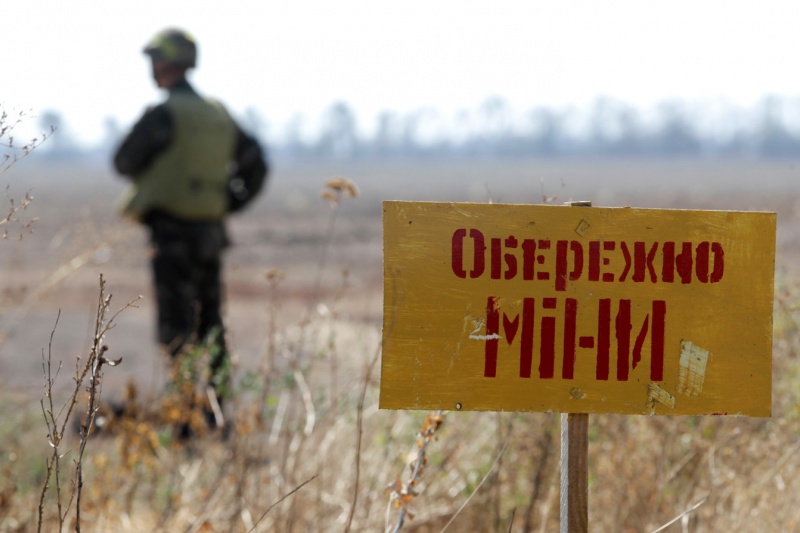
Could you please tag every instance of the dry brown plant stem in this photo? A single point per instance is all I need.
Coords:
(14, 209)
(274, 277)
(402, 494)
(478, 487)
(14, 152)
(359, 436)
(300, 486)
(323, 254)
(546, 449)
(511, 520)
(333, 354)
(335, 190)
(683, 514)
(57, 425)
(53, 433)
(496, 487)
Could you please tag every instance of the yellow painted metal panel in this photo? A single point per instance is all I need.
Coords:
(576, 309)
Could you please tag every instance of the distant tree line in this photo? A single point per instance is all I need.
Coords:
(606, 128)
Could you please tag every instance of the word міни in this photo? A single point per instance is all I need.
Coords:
(539, 319)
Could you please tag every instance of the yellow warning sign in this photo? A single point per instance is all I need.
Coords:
(567, 309)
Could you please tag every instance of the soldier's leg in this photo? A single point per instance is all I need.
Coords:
(174, 296)
(210, 327)
(175, 291)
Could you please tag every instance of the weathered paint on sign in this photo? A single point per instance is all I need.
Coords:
(593, 310)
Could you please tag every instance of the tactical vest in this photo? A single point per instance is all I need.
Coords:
(190, 178)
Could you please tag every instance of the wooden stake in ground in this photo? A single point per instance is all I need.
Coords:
(575, 463)
(574, 473)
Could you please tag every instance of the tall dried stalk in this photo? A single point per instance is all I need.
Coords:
(57, 422)
(401, 494)
(545, 451)
(359, 436)
(54, 436)
(483, 480)
(335, 190)
(300, 486)
(274, 277)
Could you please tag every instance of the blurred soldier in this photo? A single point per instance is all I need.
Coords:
(190, 165)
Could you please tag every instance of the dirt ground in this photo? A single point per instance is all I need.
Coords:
(77, 236)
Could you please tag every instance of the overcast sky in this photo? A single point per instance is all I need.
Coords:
(83, 57)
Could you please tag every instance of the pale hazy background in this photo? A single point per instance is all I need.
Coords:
(445, 69)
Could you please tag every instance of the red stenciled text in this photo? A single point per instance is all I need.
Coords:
(473, 255)
(537, 323)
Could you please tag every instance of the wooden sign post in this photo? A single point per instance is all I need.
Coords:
(574, 507)
(494, 307)
(574, 472)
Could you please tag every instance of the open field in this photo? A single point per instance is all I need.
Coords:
(307, 404)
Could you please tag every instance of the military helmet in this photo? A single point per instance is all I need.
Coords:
(173, 46)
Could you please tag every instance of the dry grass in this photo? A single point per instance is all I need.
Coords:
(311, 451)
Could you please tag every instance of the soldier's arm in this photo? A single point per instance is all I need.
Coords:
(148, 138)
(252, 171)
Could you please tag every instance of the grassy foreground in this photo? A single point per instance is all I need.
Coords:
(311, 451)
